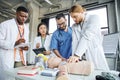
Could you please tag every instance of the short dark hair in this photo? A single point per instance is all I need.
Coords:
(21, 8)
(58, 16)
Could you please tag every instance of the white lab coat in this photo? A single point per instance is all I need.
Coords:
(8, 36)
(46, 44)
(88, 40)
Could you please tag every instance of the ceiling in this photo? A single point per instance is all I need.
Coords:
(8, 7)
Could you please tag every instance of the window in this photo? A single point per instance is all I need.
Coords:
(101, 12)
(53, 25)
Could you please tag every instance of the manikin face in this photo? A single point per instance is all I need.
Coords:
(61, 23)
(77, 17)
(43, 29)
(21, 17)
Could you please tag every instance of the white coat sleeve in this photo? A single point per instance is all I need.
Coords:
(35, 42)
(87, 35)
(27, 34)
(4, 43)
(47, 43)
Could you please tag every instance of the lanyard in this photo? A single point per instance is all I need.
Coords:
(21, 33)
(42, 41)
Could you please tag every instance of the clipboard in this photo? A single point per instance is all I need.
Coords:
(39, 50)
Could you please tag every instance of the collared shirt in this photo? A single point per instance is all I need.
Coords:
(62, 41)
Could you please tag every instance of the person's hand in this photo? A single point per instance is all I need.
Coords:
(37, 45)
(64, 59)
(73, 59)
(46, 52)
(19, 41)
(24, 48)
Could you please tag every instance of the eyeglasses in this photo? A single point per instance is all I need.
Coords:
(61, 24)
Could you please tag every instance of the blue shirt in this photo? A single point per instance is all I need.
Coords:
(62, 41)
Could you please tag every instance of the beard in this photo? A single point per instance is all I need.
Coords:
(62, 28)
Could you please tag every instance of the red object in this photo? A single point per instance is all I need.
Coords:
(27, 74)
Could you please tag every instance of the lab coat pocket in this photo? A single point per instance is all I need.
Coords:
(8, 58)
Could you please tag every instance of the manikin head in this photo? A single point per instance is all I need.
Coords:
(53, 62)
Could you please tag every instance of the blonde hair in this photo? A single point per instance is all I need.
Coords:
(77, 8)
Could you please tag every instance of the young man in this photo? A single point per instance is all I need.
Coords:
(87, 38)
(61, 42)
(12, 33)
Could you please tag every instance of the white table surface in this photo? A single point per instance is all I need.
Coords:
(13, 73)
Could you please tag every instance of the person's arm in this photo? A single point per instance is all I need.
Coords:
(47, 45)
(73, 59)
(58, 54)
(20, 41)
(54, 46)
(47, 52)
(36, 43)
(87, 36)
(4, 43)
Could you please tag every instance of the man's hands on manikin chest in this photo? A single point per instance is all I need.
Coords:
(73, 59)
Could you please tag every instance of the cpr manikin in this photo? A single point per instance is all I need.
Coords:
(82, 67)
